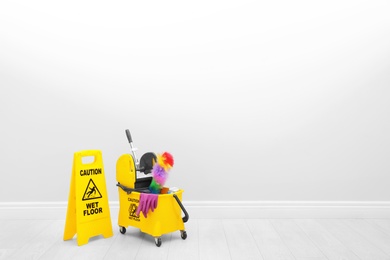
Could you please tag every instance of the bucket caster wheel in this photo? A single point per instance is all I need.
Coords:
(122, 230)
(183, 234)
(157, 241)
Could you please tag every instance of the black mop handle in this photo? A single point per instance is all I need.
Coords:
(131, 146)
(129, 136)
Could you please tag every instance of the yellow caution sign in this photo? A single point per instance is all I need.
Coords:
(88, 213)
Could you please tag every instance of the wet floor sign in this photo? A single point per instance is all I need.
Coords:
(88, 213)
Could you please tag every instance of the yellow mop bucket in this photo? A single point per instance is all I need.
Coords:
(165, 218)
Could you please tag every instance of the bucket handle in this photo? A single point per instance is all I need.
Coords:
(126, 189)
(186, 216)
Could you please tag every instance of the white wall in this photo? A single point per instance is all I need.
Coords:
(256, 100)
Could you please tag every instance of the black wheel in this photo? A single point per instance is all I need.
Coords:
(122, 230)
(183, 234)
(157, 241)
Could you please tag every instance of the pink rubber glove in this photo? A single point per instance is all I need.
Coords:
(141, 204)
(147, 202)
(146, 206)
(153, 198)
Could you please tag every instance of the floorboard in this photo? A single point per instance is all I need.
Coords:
(355, 242)
(384, 224)
(268, 239)
(212, 240)
(329, 245)
(38, 245)
(125, 246)
(149, 251)
(269, 242)
(300, 245)
(185, 249)
(372, 233)
(240, 240)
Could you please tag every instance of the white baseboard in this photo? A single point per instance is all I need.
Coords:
(222, 209)
(289, 209)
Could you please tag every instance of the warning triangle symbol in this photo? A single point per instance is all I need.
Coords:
(91, 192)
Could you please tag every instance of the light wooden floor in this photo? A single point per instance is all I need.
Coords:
(300, 239)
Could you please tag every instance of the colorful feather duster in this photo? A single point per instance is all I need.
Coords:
(160, 172)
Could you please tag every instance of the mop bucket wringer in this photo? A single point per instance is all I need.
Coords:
(165, 218)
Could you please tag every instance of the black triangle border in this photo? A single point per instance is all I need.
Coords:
(86, 189)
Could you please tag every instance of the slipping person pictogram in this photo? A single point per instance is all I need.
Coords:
(91, 192)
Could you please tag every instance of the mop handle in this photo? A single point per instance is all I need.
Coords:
(129, 136)
(131, 146)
